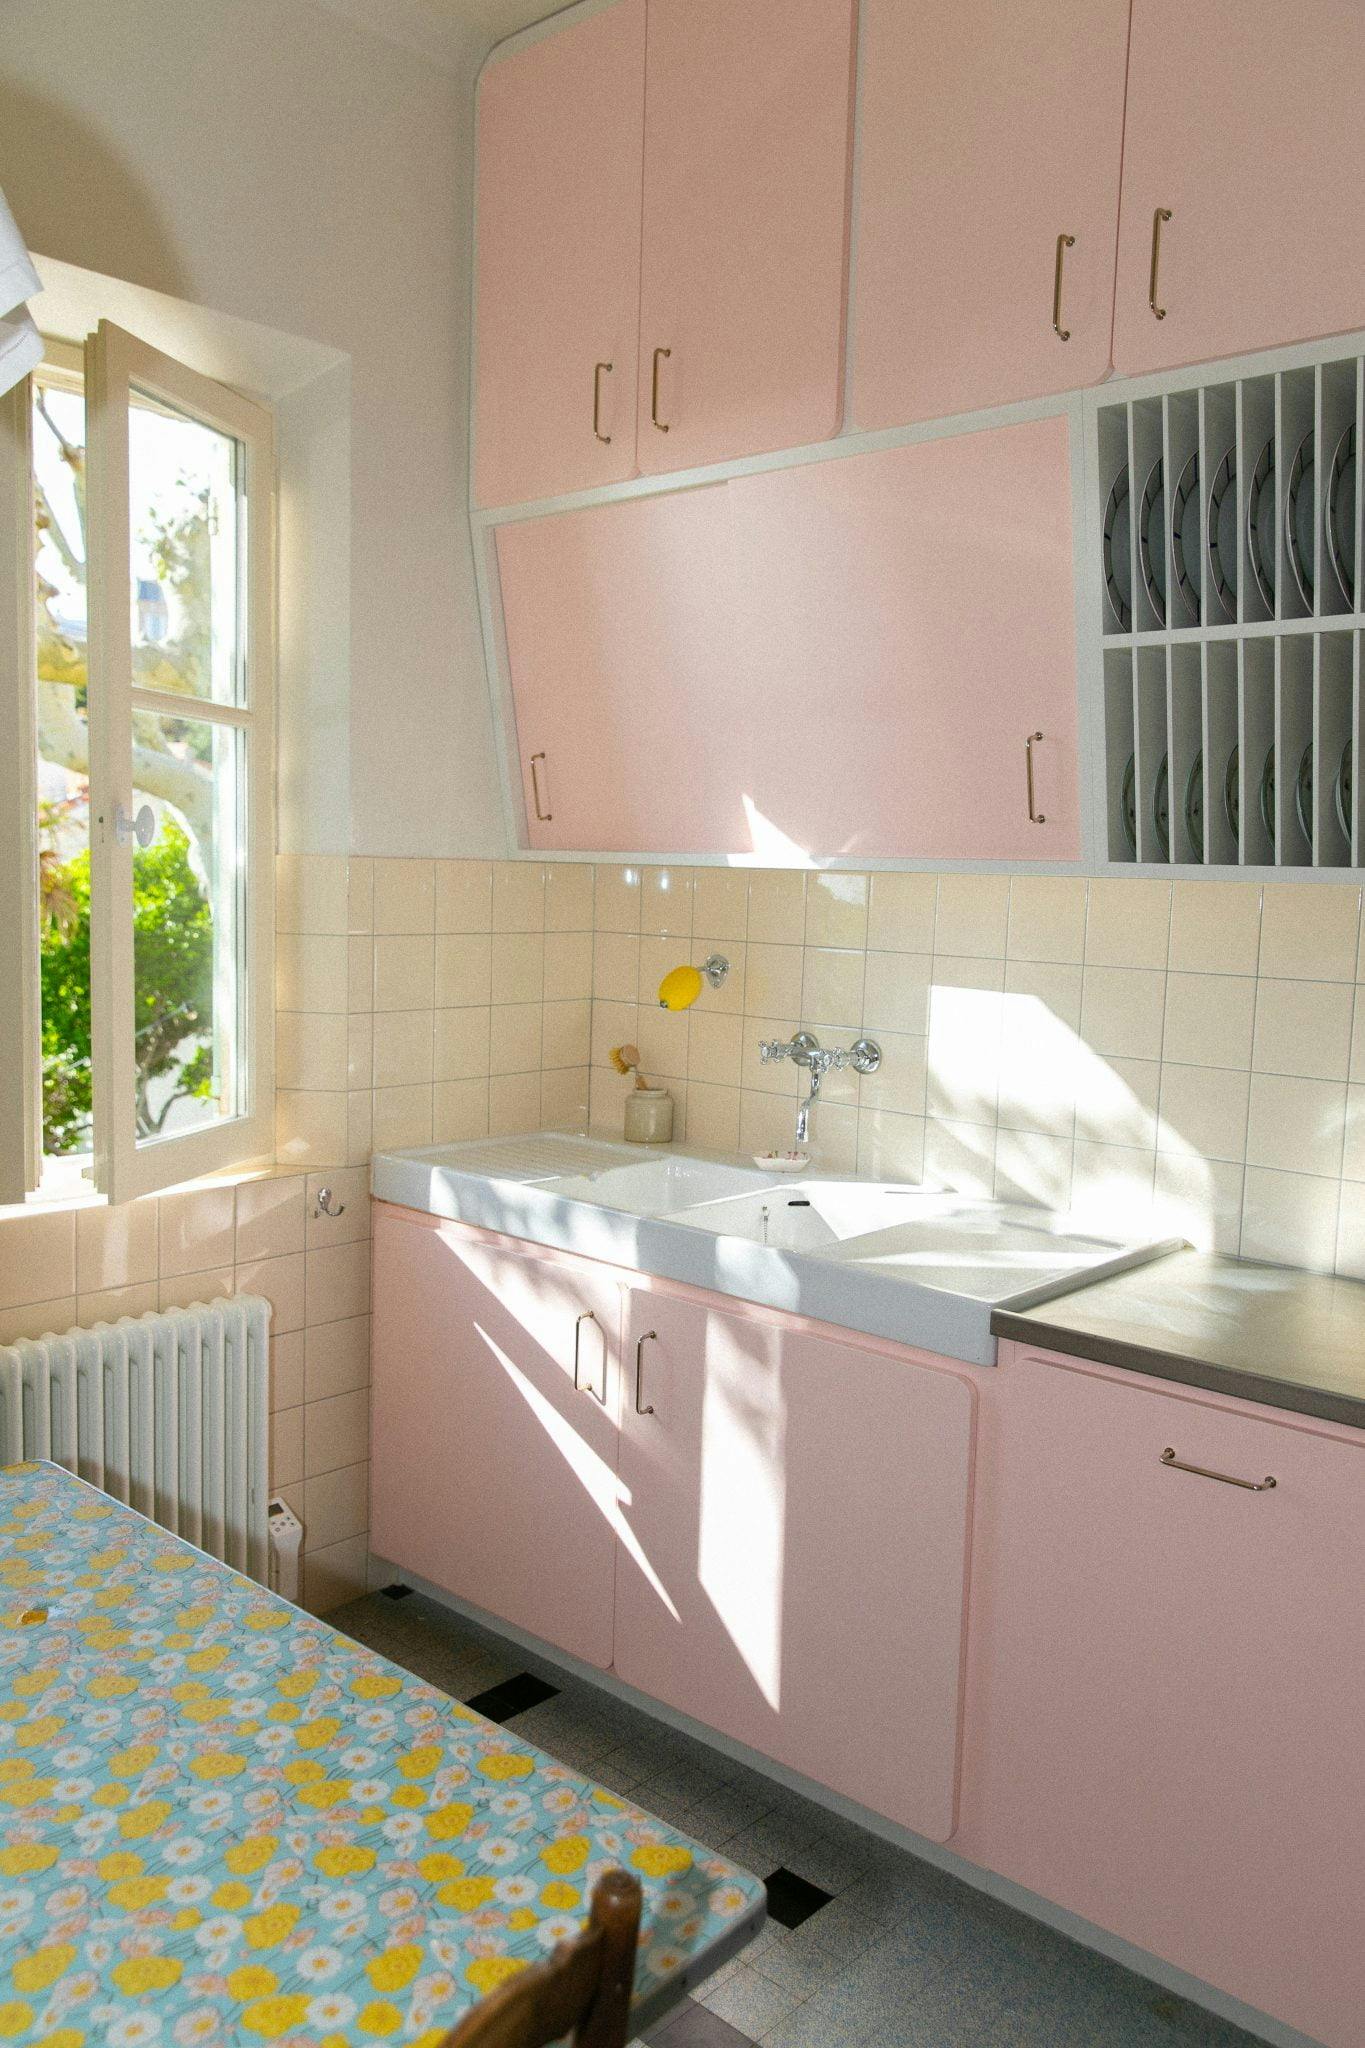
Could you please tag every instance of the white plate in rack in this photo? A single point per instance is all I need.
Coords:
(1222, 533)
(1185, 538)
(1299, 522)
(1152, 540)
(1261, 524)
(1118, 555)
(1341, 515)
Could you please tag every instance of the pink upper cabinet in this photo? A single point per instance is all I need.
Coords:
(745, 227)
(987, 132)
(906, 643)
(619, 624)
(794, 1567)
(1245, 125)
(560, 143)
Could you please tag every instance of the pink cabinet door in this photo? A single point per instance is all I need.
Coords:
(1164, 1713)
(1244, 122)
(744, 250)
(560, 157)
(793, 1569)
(619, 624)
(906, 623)
(493, 1475)
(986, 133)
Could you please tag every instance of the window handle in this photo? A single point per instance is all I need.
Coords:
(138, 830)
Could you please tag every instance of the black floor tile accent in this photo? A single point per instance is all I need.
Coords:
(513, 1696)
(693, 2026)
(792, 1899)
(397, 1592)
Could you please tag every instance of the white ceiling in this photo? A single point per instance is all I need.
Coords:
(447, 32)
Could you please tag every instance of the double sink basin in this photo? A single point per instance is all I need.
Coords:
(919, 1265)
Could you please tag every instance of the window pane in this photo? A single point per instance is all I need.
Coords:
(187, 924)
(183, 492)
(63, 765)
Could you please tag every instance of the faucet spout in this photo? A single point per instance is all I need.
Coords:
(817, 1075)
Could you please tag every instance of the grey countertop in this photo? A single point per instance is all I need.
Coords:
(1262, 1333)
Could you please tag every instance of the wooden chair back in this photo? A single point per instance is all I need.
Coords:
(583, 1989)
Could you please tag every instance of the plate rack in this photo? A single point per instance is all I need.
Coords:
(1233, 618)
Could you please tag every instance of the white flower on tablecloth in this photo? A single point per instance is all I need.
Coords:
(137, 2030)
(188, 1891)
(317, 1964)
(331, 2009)
(559, 1927)
(219, 1933)
(515, 1891)
(203, 2024)
(183, 1851)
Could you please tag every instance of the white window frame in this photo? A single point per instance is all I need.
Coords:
(116, 363)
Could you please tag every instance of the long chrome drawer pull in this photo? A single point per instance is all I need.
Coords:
(1035, 816)
(650, 1337)
(1162, 214)
(1168, 1457)
(545, 817)
(1064, 242)
(588, 1317)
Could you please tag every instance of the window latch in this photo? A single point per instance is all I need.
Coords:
(141, 828)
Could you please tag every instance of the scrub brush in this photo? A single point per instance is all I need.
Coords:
(626, 1060)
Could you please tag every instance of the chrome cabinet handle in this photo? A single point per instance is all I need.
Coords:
(588, 1317)
(1168, 1457)
(1064, 242)
(597, 375)
(662, 425)
(650, 1337)
(1035, 817)
(545, 817)
(1162, 215)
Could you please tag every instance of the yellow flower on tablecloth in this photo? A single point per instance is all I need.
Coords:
(267, 1929)
(218, 1763)
(561, 1897)
(27, 1858)
(15, 2019)
(466, 1894)
(485, 1973)
(446, 1821)
(375, 1685)
(326, 1792)
(41, 1970)
(36, 1734)
(396, 1968)
(277, 2015)
(296, 1685)
(380, 2017)
(27, 1685)
(440, 1867)
(522, 1917)
(131, 1763)
(661, 1859)
(245, 1858)
(134, 1894)
(147, 1819)
(420, 1763)
(120, 1863)
(344, 1859)
(252, 1980)
(565, 1856)
(506, 1763)
(230, 1898)
(408, 1797)
(317, 1734)
(146, 1973)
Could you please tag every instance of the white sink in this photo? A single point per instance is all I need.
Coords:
(662, 1187)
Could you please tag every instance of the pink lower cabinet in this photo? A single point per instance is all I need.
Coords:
(906, 649)
(495, 1401)
(794, 1565)
(1165, 1703)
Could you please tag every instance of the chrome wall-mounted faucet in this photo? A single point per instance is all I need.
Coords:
(805, 1050)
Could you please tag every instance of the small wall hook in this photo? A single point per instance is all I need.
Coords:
(326, 1202)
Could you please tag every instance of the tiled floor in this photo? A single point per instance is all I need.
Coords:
(879, 1950)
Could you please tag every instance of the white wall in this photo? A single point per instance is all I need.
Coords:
(273, 161)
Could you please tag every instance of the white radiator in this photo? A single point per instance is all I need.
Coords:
(168, 1413)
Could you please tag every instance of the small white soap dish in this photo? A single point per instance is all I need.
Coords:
(781, 1162)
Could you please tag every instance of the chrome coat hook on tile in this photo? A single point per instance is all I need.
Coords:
(328, 1204)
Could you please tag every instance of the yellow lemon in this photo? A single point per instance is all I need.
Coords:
(395, 1969)
(662, 1859)
(264, 1930)
(42, 1969)
(272, 2017)
(565, 1856)
(345, 1860)
(466, 1894)
(487, 1972)
(506, 1763)
(245, 1858)
(680, 989)
(146, 1973)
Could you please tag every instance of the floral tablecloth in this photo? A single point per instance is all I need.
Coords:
(223, 1822)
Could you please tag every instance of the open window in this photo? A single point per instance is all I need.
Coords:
(143, 730)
